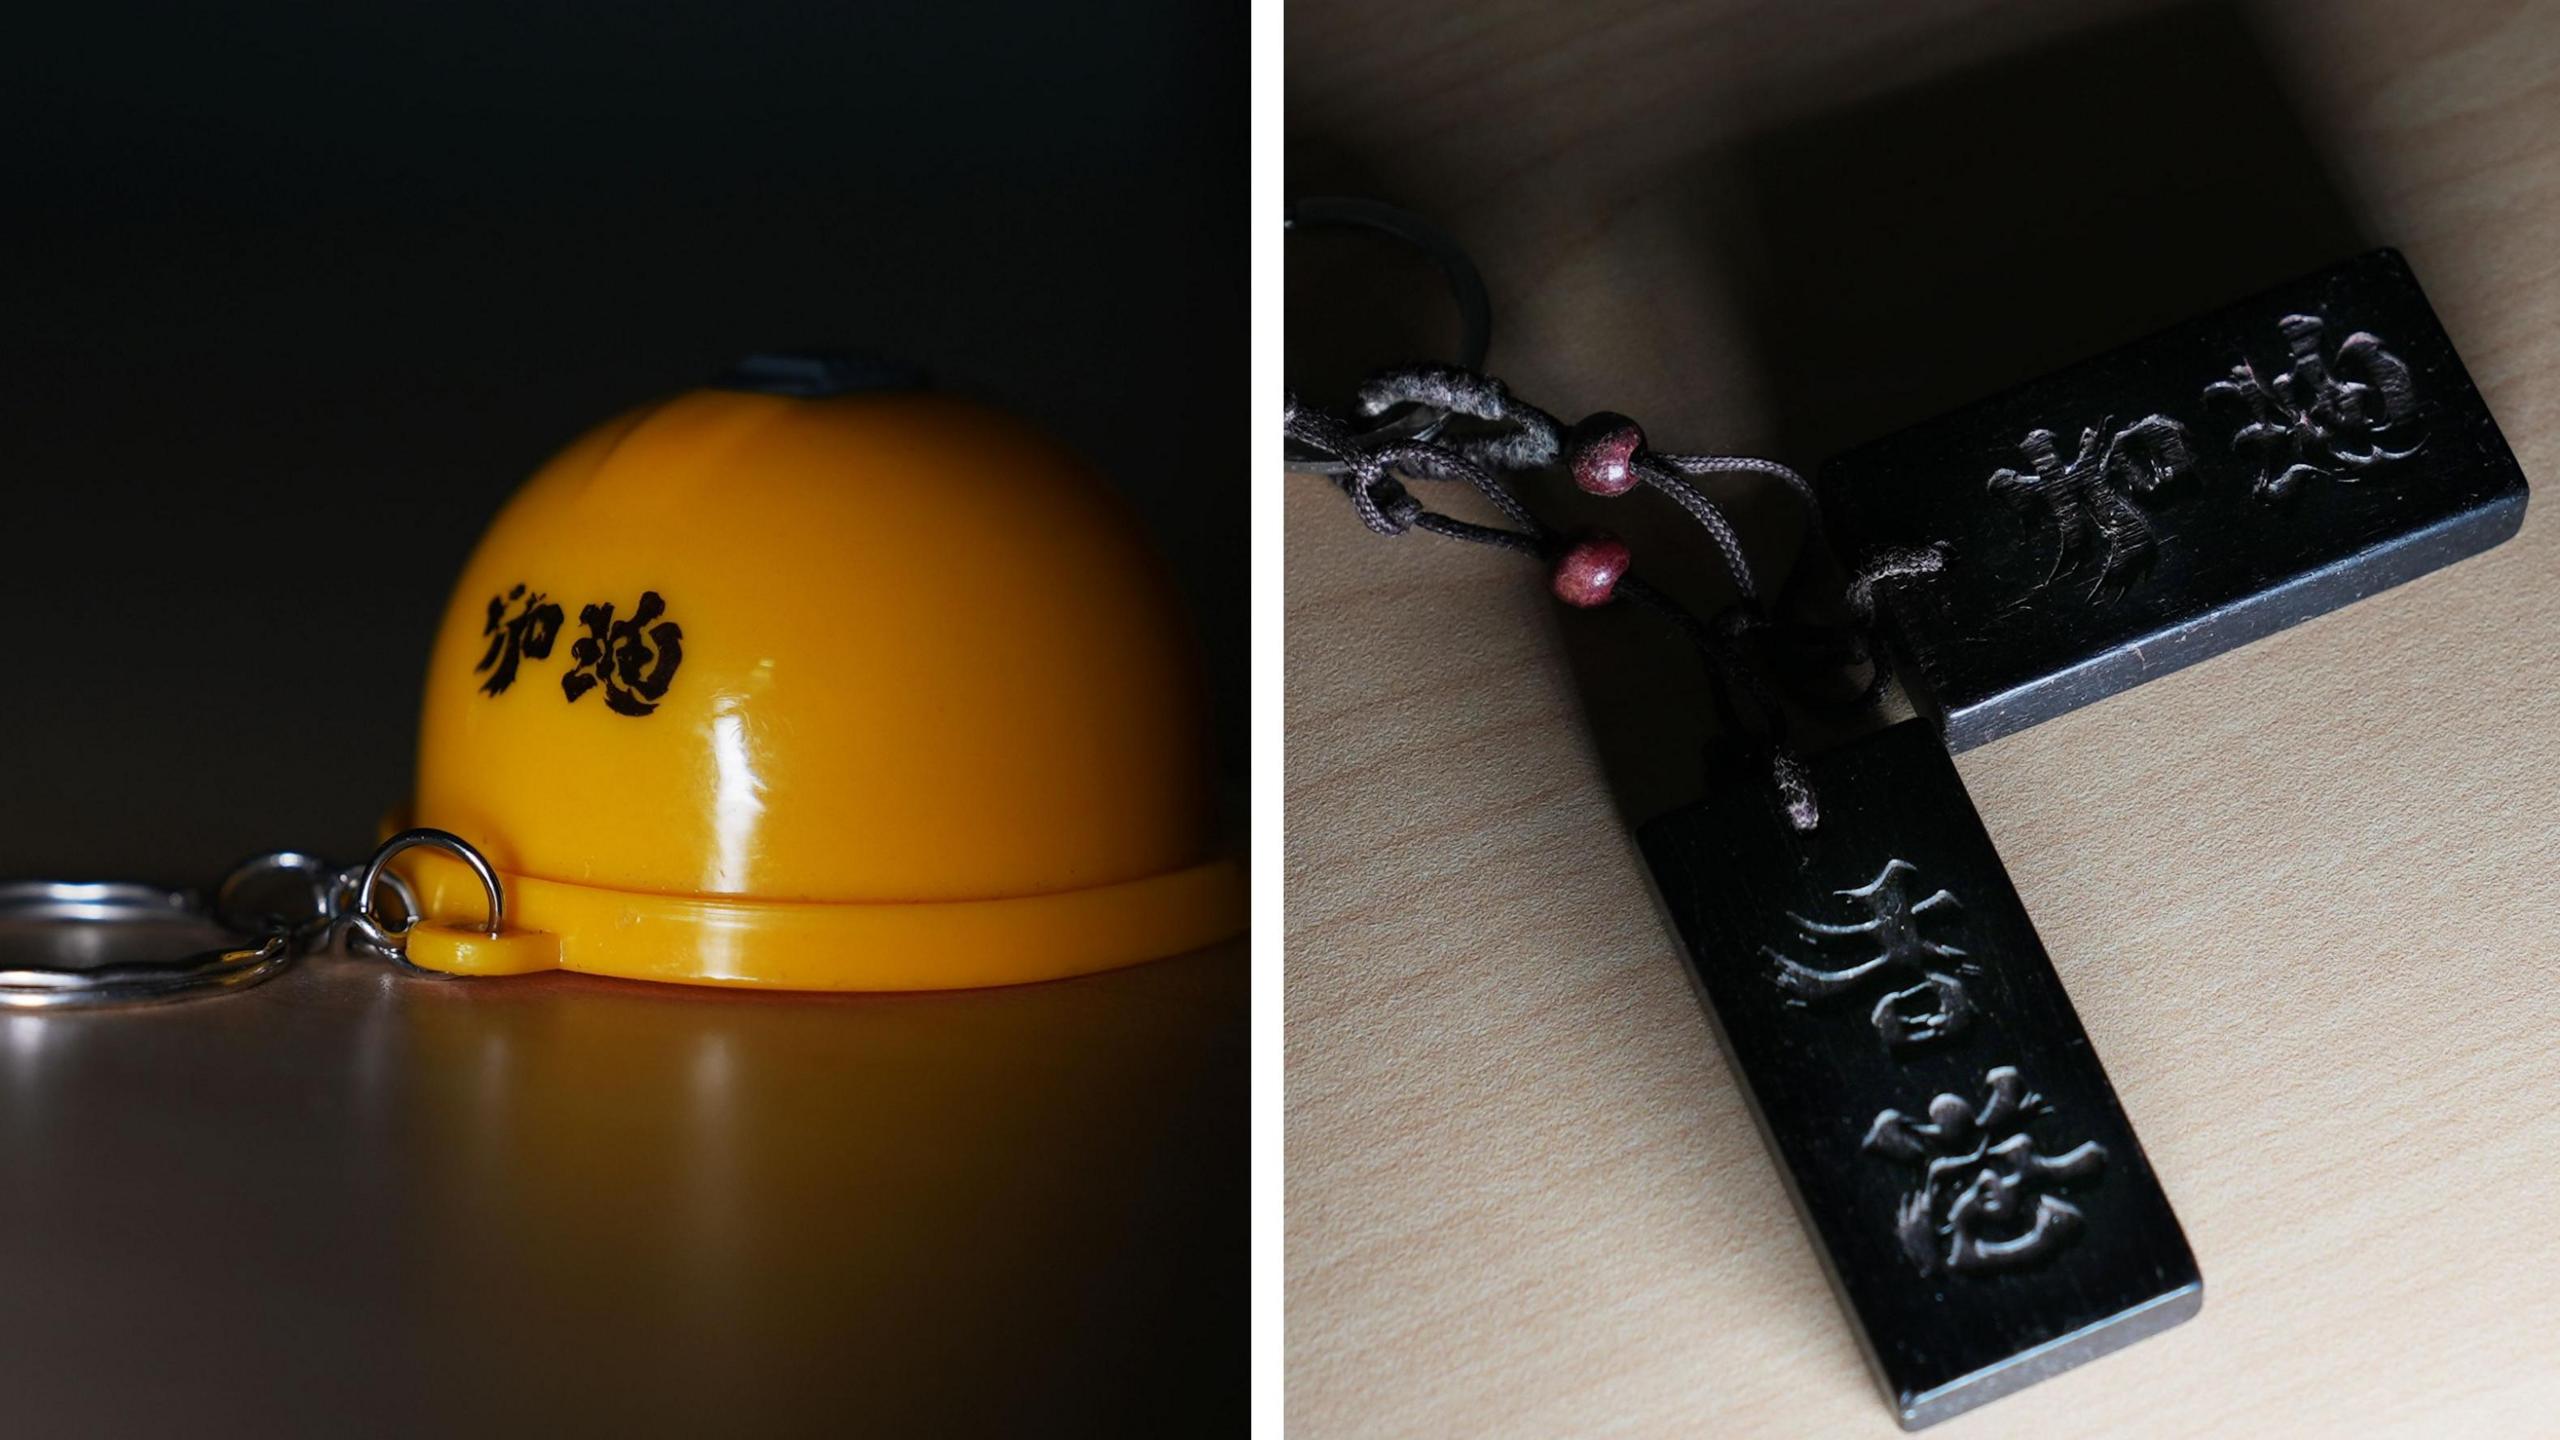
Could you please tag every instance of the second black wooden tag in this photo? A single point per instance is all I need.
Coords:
(2190, 492)
(1969, 1179)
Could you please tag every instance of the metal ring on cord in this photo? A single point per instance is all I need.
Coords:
(1466, 286)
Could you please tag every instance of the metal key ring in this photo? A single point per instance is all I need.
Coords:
(1466, 285)
(232, 908)
(370, 933)
(117, 906)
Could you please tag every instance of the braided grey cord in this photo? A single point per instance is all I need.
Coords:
(1513, 436)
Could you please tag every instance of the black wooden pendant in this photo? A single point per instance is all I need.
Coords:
(1974, 1189)
(2191, 492)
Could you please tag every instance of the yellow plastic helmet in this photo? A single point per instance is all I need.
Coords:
(815, 680)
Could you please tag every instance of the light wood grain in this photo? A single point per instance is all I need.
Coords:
(2306, 895)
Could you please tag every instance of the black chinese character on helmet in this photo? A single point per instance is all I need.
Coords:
(527, 633)
(632, 659)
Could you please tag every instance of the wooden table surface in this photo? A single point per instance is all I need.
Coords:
(354, 1202)
(2304, 894)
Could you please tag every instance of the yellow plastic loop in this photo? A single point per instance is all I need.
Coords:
(460, 950)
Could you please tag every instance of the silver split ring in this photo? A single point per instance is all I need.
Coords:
(367, 932)
(101, 945)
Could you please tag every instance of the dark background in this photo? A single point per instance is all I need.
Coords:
(290, 300)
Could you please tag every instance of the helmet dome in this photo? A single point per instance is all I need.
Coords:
(745, 686)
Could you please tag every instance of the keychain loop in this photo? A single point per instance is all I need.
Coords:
(232, 905)
(231, 942)
(1420, 420)
(369, 933)
(105, 913)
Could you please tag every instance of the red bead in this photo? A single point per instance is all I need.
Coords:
(1589, 572)
(1602, 449)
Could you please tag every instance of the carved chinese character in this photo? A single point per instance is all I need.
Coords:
(2325, 419)
(634, 659)
(1932, 1006)
(2089, 504)
(1985, 1200)
(527, 634)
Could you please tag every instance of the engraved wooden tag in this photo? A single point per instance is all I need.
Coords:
(2188, 493)
(1968, 1178)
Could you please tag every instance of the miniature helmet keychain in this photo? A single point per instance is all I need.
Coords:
(812, 679)
(818, 680)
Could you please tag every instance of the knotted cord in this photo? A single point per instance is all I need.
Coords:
(1513, 437)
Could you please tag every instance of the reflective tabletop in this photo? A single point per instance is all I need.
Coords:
(354, 1201)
